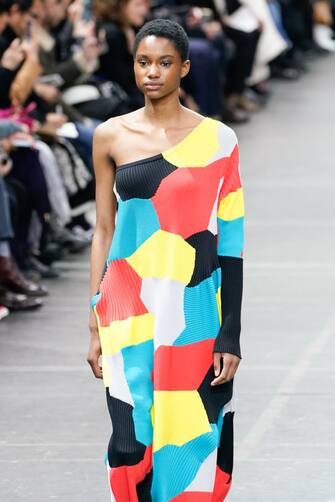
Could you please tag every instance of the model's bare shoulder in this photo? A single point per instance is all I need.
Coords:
(110, 132)
(107, 131)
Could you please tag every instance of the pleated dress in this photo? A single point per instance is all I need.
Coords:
(160, 314)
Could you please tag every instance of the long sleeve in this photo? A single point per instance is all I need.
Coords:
(230, 240)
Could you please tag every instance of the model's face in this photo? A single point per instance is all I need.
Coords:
(158, 67)
(135, 12)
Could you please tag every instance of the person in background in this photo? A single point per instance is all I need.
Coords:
(120, 19)
(210, 52)
(16, 292)
(241, 64)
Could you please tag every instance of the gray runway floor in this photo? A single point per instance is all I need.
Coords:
(54, 425)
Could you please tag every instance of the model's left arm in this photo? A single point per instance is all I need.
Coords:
(230, 240)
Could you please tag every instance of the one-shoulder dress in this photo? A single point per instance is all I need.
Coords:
(169, 297)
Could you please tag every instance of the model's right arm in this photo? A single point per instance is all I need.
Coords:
(105, 224)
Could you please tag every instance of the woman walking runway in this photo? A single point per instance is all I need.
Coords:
(166, 313)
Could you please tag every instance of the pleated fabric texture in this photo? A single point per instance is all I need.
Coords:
(160, 312)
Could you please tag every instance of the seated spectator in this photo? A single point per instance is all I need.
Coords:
(272, 42)
(119, 19)
(241, 64)
(16, 292)
(11, 57)
(286, 65)
(298, 24)
(22, 91)
(205, 26)
(210, 54)
(69, 52)
(323, 24)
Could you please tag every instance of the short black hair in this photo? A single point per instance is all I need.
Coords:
(166, 29)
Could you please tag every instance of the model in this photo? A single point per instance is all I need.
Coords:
(166, 285)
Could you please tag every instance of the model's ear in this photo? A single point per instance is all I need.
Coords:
(185, 68)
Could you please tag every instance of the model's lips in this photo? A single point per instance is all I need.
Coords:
(152, 85)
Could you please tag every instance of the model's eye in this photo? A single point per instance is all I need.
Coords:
(142, 63)
(166, 64)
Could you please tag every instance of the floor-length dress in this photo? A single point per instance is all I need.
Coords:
(170, 295)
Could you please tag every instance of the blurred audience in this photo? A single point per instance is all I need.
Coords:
(67, 65)
(119, 19)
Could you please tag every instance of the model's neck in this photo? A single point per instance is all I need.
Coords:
(165, 111)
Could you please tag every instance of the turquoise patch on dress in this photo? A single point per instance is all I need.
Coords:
(200, 324)
(174, 467)
(138, 366)
(95, 299)
(130, 232)
(230, 237)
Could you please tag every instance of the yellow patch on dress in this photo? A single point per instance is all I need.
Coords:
(164, 254)
(232, 206)
(197, 148)
(180, 416)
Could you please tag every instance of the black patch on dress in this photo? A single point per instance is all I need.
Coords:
(214, 397)
(143, 488)
(141, 179)
(123, 447)
(206, 260)
(225, 458)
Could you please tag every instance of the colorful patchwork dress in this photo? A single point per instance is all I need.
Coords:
(170, 295)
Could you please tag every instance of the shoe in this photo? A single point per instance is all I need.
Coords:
(259, 99)
(81, 232)
(71, 241)
(67, 238)
(4, 312)
(234, 116)
(261, 89)
(243, 103)
(16, 302)
(32, 275)
(46, 272)
(77, 247)
(285, 73)
(248, 104)
(298, 62)
(53, 251)
(12, 279)
(323, 37)
(81, 221)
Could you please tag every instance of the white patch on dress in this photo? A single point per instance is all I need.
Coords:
(227, 142)
(164, 298)
(213, 224)
(118, 385)
(229, 407)
(205, 477)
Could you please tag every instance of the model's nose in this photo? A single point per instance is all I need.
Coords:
(153, 71)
